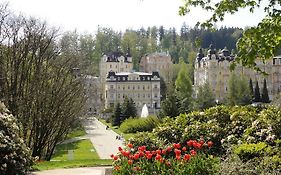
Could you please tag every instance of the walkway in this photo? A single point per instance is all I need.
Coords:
(104, 140)
(76, 171)
(105, 143)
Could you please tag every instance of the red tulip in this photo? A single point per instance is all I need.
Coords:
(130, 162)
(183, 148)
(210, 144)
(130, 145)
(187, 157)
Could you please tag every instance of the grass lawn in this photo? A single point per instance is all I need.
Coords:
(48, 165)
(82, 150)
(80, 131)
(116, 129)
(84, 154)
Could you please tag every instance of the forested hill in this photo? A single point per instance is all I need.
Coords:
(88, 48)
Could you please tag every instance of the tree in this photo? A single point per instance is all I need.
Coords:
(238, 91)
(38, 85)
(15, 156)
(170, 106)
(257, 95)
(257, 42)
(116, 117)
(184, 88)
(129, 108)
(251, 88)
(205, 97)
(264, 96)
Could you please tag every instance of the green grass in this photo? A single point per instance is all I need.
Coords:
(117, 130)
(48, 165)
(83, 149)
(80, 131)
(84, 153)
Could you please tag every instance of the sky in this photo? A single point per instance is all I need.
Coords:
(86, 15)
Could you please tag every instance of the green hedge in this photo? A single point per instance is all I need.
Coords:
(133, 125)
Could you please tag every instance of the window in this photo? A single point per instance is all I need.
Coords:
(143, 95)
(128, 86)
(155, 95)
(110, 66)
(143, 87)
(155, 86)
(133, 87)
(111, 86)
(118, 95)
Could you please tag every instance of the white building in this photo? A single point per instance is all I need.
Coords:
(143, 88)
(215, 69)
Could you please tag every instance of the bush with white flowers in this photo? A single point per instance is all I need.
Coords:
(15, 158)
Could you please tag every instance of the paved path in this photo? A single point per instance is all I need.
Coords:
(104, 140)
(74, 171)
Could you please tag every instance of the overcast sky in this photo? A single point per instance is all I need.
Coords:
(86, 15)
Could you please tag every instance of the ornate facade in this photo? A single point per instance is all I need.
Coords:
(215, 69)
(143, 88)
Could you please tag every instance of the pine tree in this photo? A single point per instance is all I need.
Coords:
(129, 108)
(251, 88)
(116, 117)
(264, 97)
(257, 96)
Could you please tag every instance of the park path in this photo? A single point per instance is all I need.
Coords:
(105, 143)
(104, 140)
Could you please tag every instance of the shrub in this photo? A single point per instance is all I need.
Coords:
(250, 151)
(133, 125)
(15, 158)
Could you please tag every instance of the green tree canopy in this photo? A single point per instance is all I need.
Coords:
(128, 108)
(260, 42)
(205, 97)
(238, 91)
(184, 88)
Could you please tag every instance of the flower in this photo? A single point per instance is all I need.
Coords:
(183, 148)
(130, 145)
(177, 152)
(177, 145)
(187, 157)
(169, 149)
(115, 157)
(210, 144)
(130, 162)
(117, 168)
(190, 143)
(192, 152)
(158, 157)
(158, 151)
(120, 149)
(136, 156)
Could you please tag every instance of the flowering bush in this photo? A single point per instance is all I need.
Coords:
(190, 158)
(15, 157)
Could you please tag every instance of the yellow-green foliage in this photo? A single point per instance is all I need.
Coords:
(249, 151)
(133, 125)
